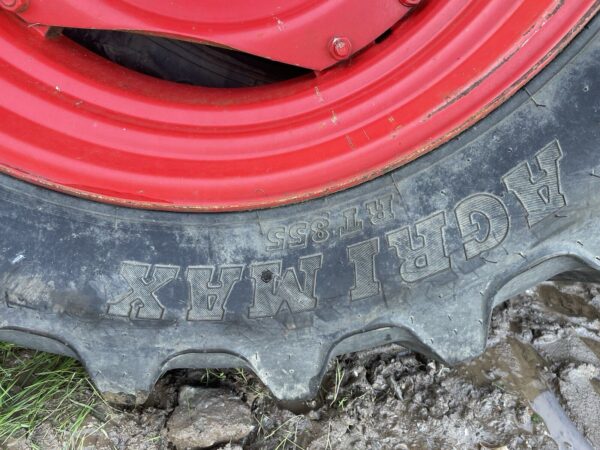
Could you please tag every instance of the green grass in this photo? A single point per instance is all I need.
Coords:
(339, 377)
(282, 437)
(38, 388)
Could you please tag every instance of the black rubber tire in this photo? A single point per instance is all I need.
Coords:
(419, 256)
(182, 61)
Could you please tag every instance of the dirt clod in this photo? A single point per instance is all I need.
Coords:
(205, 417)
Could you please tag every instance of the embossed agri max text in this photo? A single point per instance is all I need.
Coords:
(420, 249)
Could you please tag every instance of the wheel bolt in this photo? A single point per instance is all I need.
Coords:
(16, 6)
(340, 48)
(410, 3)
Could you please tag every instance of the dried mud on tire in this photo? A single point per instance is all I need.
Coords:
(418, 256)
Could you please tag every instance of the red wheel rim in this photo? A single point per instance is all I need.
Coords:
(74, 122)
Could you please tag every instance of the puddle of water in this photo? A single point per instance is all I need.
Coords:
(567, 304)
(592, 344)
(515, 367)
(596, 385)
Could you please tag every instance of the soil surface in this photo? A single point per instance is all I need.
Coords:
(537, 386)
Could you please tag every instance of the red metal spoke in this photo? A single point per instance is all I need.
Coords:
(297, 32)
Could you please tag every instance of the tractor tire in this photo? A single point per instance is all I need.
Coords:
(418, 256)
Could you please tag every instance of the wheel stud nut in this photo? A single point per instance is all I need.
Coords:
(340, 48)
(16, 6)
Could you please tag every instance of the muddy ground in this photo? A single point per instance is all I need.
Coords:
(537, 386)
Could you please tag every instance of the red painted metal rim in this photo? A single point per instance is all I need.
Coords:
(74, 122)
